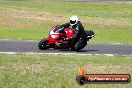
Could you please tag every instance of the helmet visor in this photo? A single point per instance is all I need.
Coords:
(72, 22)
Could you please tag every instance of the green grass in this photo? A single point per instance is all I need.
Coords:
(111, 21)
(58, 71)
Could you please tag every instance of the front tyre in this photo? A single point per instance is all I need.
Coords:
(43, 44)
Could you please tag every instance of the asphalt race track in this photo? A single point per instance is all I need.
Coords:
(31, 46)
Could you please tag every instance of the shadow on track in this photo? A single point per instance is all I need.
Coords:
(67, 50)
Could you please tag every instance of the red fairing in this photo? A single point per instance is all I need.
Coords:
(69, 32)
(51, 40)
(56, 35)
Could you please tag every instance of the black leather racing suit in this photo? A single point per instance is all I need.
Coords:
(79, 36)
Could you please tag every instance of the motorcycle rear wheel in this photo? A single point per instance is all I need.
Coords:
(79, 45)
(76, 48)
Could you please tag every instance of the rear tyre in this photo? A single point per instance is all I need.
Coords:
(80, 45)
(43, 44)
(73, 49)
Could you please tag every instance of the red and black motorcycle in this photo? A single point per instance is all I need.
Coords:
(56, 39)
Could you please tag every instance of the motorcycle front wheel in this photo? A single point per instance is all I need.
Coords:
(43, 44)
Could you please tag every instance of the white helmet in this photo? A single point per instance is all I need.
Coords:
(73, 20)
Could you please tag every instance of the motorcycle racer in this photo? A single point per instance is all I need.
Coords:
(70, 35)
(80, 34)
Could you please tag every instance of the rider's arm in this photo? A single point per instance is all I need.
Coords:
(66, 25)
